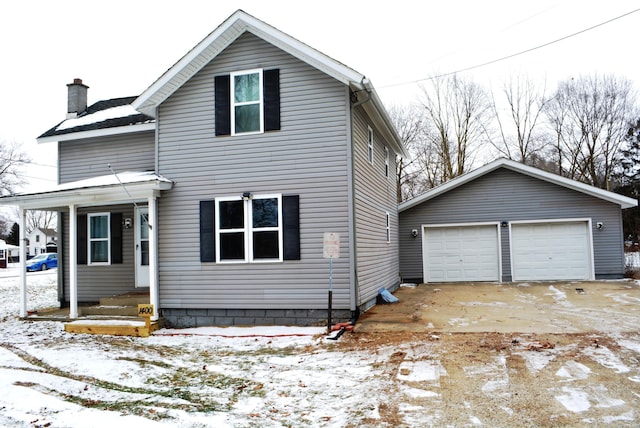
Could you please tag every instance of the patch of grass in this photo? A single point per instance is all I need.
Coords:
(144, 363)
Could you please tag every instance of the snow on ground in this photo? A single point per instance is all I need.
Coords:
(291, 376)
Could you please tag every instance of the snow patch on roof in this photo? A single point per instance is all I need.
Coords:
(99, 116)
(126, 177)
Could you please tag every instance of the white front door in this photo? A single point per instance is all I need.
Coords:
(142, 247)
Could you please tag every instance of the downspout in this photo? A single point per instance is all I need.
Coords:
(355, 309)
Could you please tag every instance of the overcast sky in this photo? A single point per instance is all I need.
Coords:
(119, 47)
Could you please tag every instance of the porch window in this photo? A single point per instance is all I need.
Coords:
(249, 229)
(98, 234)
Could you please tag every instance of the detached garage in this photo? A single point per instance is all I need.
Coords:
(510, 222)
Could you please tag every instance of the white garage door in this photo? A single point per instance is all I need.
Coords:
(461, 253)
(551, 251)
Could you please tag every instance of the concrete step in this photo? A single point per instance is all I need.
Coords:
(129, 299)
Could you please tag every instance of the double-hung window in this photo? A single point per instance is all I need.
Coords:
(370, 145)
(388, 228)
(99, 250)
(249, 229)
(246, 102)
(386, 161)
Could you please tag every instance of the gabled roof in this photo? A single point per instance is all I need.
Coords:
(45, 231)
(615, 198)
(236, 25)
(103, 115)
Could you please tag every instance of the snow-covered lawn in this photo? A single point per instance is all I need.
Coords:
(294, 377)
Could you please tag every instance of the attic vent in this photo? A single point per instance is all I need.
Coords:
(77, 98)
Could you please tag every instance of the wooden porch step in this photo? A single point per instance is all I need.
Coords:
(129, 299)
(104, 310)
(112, 327)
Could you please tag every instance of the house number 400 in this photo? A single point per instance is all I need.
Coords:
(145, 310)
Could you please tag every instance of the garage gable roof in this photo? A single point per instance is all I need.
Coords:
(606, 195)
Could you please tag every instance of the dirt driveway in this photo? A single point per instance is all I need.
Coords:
(548, 354)
(534, 307)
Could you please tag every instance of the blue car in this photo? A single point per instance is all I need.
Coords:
(42, 262)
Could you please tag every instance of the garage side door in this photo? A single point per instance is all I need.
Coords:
(461, 253)
(551, 251)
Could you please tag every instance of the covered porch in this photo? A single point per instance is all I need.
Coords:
(96, 217)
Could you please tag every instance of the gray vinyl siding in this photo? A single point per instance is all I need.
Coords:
(307, 157)
(504, 195)
(82, 159)
(95, 282)
(377, 261)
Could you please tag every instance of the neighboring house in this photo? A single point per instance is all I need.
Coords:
(4, 254)
(40, 239)
(510, 222)
(213, 189)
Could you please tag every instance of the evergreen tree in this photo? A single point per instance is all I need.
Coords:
(14, 235)
(629, 178)
(630, 157)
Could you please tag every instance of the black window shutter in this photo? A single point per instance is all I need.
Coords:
(116, 238)
(207, 231)
(291, 227)
(81, 239)
(223, 104)
(271, 88)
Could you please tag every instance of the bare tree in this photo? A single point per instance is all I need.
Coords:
(517, 124)
(409, 171)
(590, 117)
(12, 161)
(40, 219)
(458, 113)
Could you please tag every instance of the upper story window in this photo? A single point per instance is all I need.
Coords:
(247, 102)
(98, 237)
(370, 144)
(249, 229)
(37, 238)
(386, 161)
(246, 110)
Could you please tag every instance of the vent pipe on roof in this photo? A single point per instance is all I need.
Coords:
(77, 98)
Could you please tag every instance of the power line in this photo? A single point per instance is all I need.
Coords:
(516, 54)
(27, 162)
(39, 178)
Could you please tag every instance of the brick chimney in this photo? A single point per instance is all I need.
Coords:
(77, 98)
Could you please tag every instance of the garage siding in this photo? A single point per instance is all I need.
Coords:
(505, 195)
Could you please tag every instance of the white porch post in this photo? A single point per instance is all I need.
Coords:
(73, 262)
(154, 294)
(23, 263)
